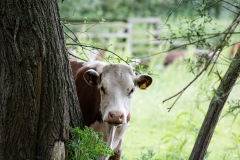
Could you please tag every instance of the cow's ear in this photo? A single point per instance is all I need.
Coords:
(144, 81)
(91, 77)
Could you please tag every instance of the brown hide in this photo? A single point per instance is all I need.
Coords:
(88, 96)
(234, 49)
(173, 55)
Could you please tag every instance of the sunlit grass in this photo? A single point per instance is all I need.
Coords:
(172, 134)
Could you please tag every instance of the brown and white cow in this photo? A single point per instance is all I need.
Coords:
(234, 49)
(105, 94)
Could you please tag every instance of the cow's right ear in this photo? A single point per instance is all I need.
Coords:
(91, 77)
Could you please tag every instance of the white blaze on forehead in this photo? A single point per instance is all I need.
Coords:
(118, 75)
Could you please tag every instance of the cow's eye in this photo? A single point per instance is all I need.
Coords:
(131, 91)
(103, 90)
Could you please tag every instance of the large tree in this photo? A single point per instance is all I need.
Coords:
(38, 101)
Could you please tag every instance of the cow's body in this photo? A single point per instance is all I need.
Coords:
(173, 55)
(234, 49)
(105, 92)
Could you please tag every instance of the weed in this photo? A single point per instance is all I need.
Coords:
(87, 145)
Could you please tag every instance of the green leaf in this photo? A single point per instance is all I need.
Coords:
(87, 144)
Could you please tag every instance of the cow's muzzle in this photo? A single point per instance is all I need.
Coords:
(115, 118)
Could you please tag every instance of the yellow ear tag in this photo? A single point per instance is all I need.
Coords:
(143, 86)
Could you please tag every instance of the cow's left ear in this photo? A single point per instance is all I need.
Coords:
(91, 77)
(144, 81)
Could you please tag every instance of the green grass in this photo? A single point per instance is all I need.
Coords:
(171, 135)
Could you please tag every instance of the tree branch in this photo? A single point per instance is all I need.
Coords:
(232, 27)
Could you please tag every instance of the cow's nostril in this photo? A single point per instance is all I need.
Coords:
(121, 116)
(111, 115)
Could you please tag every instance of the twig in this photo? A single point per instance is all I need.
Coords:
(78, 43)
(225, 38)
(76, 57)
(230, 28)
(181, 92)
(183, 45)
(231, 4)
(172, 12)
(227, 8)
(95, 47)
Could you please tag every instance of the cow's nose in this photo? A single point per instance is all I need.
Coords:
(115, 118)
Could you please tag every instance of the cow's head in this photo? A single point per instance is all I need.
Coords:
(117, 84)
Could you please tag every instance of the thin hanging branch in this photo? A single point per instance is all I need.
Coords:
(85, 46)
(179, 94)
(231, 4)
(182, 45)
(76, 57)
(227, 8)
(175, 8)
(227, 35)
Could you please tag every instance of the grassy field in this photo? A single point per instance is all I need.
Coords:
(171, 135)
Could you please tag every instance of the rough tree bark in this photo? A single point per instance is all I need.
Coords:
(215, 108)
(37, 96)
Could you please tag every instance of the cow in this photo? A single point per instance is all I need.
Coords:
(173, 55)
(105, 93)
(234, 49)
(203, 56)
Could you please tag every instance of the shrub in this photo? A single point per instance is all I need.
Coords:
(87, 145)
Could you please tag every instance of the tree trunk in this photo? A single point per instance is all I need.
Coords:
(38, 100)
(215, 108)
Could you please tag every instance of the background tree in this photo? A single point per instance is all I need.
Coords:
(215, 108)
(37, 96)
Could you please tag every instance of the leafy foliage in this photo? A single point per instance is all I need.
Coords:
(87, 144)
(148, 156)
(234, 108)
(121, 9)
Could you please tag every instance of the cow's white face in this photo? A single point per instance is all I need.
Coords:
(117, 83)
(117, 86)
